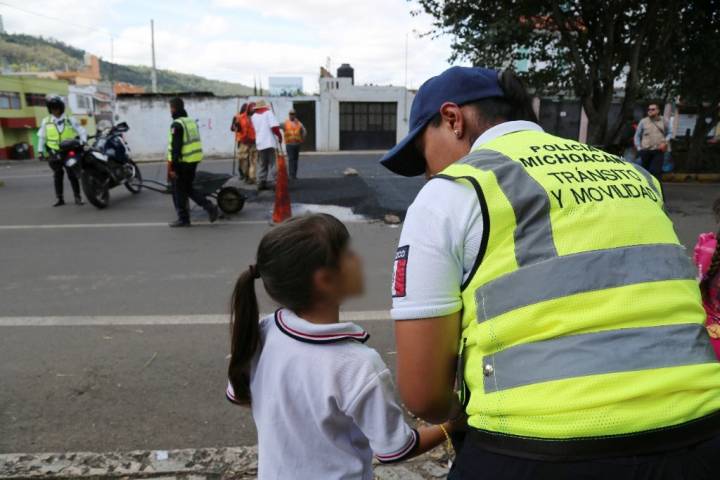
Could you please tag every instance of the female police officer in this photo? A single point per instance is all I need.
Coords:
(551, 267)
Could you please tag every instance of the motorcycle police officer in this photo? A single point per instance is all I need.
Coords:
(54, 129)
(545, 276)
(184, 153)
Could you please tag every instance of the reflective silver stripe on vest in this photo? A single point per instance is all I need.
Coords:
(623, 350)
(582, 272)
(529, 200)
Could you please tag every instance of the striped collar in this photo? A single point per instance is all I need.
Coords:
(304, 331)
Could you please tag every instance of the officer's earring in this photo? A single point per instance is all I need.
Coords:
(457, 133)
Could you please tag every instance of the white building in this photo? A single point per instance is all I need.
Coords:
(343, 116)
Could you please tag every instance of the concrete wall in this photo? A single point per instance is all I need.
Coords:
(149, 120)
(149, 116)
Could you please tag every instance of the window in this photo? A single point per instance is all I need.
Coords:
(10, 100)
(367, 125)
(368, 116)
(35, 99)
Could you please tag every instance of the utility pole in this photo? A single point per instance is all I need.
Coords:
(112, 79)
(152, 42)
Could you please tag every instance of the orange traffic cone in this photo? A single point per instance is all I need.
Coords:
(282, 210)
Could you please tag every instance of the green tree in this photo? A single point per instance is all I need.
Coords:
(592, 49)
(694, 70)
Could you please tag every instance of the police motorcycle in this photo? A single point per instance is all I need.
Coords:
(104, 165)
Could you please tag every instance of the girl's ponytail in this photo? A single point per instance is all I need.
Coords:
(244, 333)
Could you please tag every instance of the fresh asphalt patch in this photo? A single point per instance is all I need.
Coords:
(373, 197)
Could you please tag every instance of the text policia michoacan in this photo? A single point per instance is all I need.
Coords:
(617, 180)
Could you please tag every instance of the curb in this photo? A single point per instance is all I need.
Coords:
(691, 177)
(239, 463)
(236, 462)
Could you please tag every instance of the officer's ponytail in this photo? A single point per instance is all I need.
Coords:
(287, 258)
(517, 96)
(515, 104)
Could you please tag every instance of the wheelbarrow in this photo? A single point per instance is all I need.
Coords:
(229, 199)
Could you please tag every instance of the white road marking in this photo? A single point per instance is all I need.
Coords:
(35, 175)
(216, 319)
(120, 225)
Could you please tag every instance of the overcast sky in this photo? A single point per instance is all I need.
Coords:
(237, 40)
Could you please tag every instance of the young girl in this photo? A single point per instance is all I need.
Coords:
(707, 259)
(322, 401)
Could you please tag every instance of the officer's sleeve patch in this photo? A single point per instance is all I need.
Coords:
(400, 272)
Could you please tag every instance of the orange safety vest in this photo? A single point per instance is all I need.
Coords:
(293, 132)
(246, 134)
(236, 123)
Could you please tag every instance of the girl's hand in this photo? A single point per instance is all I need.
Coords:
(714, 331)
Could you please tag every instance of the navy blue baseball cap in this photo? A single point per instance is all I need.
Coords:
(459, 85)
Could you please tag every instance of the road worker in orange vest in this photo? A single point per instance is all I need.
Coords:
(295, 133)
(245, 138)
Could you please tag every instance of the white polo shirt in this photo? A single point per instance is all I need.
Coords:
(440, 242)
(263, 124)
(323, 402)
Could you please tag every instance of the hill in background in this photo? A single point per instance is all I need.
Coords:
(21, 53)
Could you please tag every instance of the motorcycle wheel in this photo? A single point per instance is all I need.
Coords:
(96, 190)
(134, 184)
(230, 200)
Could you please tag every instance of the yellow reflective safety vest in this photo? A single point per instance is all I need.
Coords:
(582, 318)
(191, 147)
(53, 137)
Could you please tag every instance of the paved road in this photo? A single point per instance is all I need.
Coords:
(142, 383)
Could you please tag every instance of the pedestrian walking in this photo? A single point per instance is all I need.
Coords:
(54, 129)
(294, 132)
(651, 140)
(322, 401)
(184, 155)
(245, 138)
(267, 139)
(545, 276)
(707, 259)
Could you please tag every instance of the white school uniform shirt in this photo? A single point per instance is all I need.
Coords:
(440, 242)
(263, 124)
(322, 402)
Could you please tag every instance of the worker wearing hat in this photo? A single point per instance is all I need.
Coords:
(544, 276)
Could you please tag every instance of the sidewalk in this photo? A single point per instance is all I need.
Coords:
(210, 463)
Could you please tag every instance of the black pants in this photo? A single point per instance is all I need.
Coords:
(699, 462)
(183, 190)
(58, 167)
(293, 153)
(652, 161)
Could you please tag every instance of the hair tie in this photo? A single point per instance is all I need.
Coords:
(254, 271)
